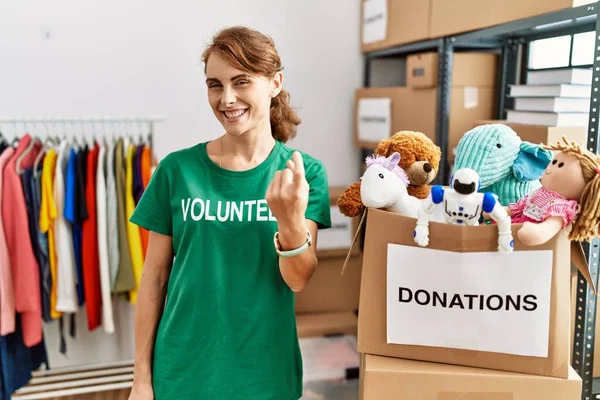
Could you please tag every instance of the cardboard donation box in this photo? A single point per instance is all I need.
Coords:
(460, 301)
(385, 378)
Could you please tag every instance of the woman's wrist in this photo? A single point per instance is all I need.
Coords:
(292, 236)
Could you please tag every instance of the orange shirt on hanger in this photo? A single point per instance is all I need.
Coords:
(145, 164)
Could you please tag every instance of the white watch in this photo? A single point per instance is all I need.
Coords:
(293, 252)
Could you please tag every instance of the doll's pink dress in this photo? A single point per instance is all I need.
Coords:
(542, 204)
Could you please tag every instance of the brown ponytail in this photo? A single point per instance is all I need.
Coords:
(585, 226)
(252, 51)
(283, 117)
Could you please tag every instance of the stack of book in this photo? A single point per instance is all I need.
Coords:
(556, 97)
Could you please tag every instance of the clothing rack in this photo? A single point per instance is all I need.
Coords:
(117, 123)
(86, 133)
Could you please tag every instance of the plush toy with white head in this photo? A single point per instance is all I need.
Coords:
(384, 186)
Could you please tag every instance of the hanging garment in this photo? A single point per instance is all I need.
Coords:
(91, 265)
(66, 295)
(42, 244)
(23, 263)
(133, 231)
(125, 280)
(17, 361)
(138, 184)
(145, 174)
(146, 161)
(39, 242)
(46, 222)
(7, 294)
(101, 212)
(112, 215)
(71, 214)
(81, 213)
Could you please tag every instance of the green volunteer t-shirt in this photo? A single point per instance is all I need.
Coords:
(228, 330)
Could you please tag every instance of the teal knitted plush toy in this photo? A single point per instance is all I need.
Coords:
(507, 166)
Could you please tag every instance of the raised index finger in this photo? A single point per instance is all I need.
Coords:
(298, 164)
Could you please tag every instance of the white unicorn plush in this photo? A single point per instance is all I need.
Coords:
(384, 185)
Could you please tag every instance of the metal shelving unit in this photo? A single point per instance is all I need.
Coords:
(512, 40)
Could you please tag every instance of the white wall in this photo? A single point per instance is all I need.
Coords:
(80, 58)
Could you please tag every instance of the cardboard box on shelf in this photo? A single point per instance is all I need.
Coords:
(449, 17)
(337, 240)
(468, 69)
(384, 378)
(387, 23)
(329, 291)
(542, 134)
(384, 306)
(324, 324)
(381, 112)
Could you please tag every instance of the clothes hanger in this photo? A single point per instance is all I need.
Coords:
(16, 138)
(32, 143)
(47, 145)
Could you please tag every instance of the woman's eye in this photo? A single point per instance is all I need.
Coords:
(554, 162)
(560, 165)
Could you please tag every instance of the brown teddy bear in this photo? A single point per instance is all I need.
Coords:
(419, 157)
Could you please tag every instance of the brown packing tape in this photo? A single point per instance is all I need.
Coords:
(474, 396)
(578, 258)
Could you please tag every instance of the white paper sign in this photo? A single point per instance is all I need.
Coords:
(471, 97)
(475, 301)
(340, 235)
(374, 119)
(374, 21)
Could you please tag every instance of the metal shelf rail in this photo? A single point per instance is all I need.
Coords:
(512, 40)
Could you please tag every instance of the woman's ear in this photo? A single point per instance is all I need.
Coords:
(277, 84)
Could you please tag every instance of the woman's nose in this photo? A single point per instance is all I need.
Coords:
(228, 97)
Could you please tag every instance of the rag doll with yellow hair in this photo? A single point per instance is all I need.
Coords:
(569, 197)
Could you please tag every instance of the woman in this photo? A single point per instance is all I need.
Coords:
(240, 214)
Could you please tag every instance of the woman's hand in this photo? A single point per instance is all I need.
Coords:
(141, 391)
(287, 197)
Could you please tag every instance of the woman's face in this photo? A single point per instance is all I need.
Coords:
(240, 100)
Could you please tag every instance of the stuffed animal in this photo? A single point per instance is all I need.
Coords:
(463, 205)
(419, 157)
(384, 185)
(507, 166)
(569, 196)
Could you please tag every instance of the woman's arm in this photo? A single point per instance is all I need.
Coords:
(296, 271)
(150, 303)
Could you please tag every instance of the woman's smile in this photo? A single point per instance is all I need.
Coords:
(232, 116)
